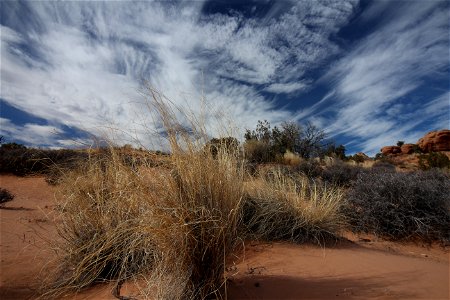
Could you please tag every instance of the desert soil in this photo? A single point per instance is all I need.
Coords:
(361, 267)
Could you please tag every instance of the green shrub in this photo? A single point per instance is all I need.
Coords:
(401, 205)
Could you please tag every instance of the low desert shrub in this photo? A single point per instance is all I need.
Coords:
(434, 160)
(258, 152)
(401, 205)
(356, 158)
(384, 165)
(310, 168)
(5, 196)
(23, 161)
(291, 208)
(340, 174)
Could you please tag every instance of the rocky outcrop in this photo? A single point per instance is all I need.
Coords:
(435, 141)
(408, 148)
(389, 150)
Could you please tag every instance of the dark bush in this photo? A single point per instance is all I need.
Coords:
(11, 146)
(311, 168)
(434, 160)
(258, 152)
(356, 158)
(26, 161)
(5, 196)
(340, 174)
(384, 165)
(401, 205)
(215, 145)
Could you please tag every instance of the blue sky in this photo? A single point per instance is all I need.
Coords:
(369, 73)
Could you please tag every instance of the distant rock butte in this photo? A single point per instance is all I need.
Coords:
(435, 141)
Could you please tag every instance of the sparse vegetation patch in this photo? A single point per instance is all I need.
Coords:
(287, 207)
(401, 205)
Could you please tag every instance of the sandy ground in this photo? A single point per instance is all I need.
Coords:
(25, 225)
(360, 268)
(346, 271)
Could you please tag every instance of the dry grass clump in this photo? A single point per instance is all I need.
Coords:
(106, 225)
(290, 207)
(208, 189)
(291, 159)
(209, 193)
(173, 227)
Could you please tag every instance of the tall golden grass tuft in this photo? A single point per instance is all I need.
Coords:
(284, 206)
(106, 225)
(207, 187)
(292, 159)
(175, 227)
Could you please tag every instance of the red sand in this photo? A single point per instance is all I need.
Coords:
(25, 224)
(362, 269)
(285, 271)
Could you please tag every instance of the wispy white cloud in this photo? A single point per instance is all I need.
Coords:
(32, 134)
(81, 64)
(286, 88)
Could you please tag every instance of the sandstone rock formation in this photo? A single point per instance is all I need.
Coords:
(435, 141)
(389, 150)
(407, 148)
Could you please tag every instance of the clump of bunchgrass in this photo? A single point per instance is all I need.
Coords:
(291, 207)
(208, 189)
(291, 159)
(107, 225)
(173, 226)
